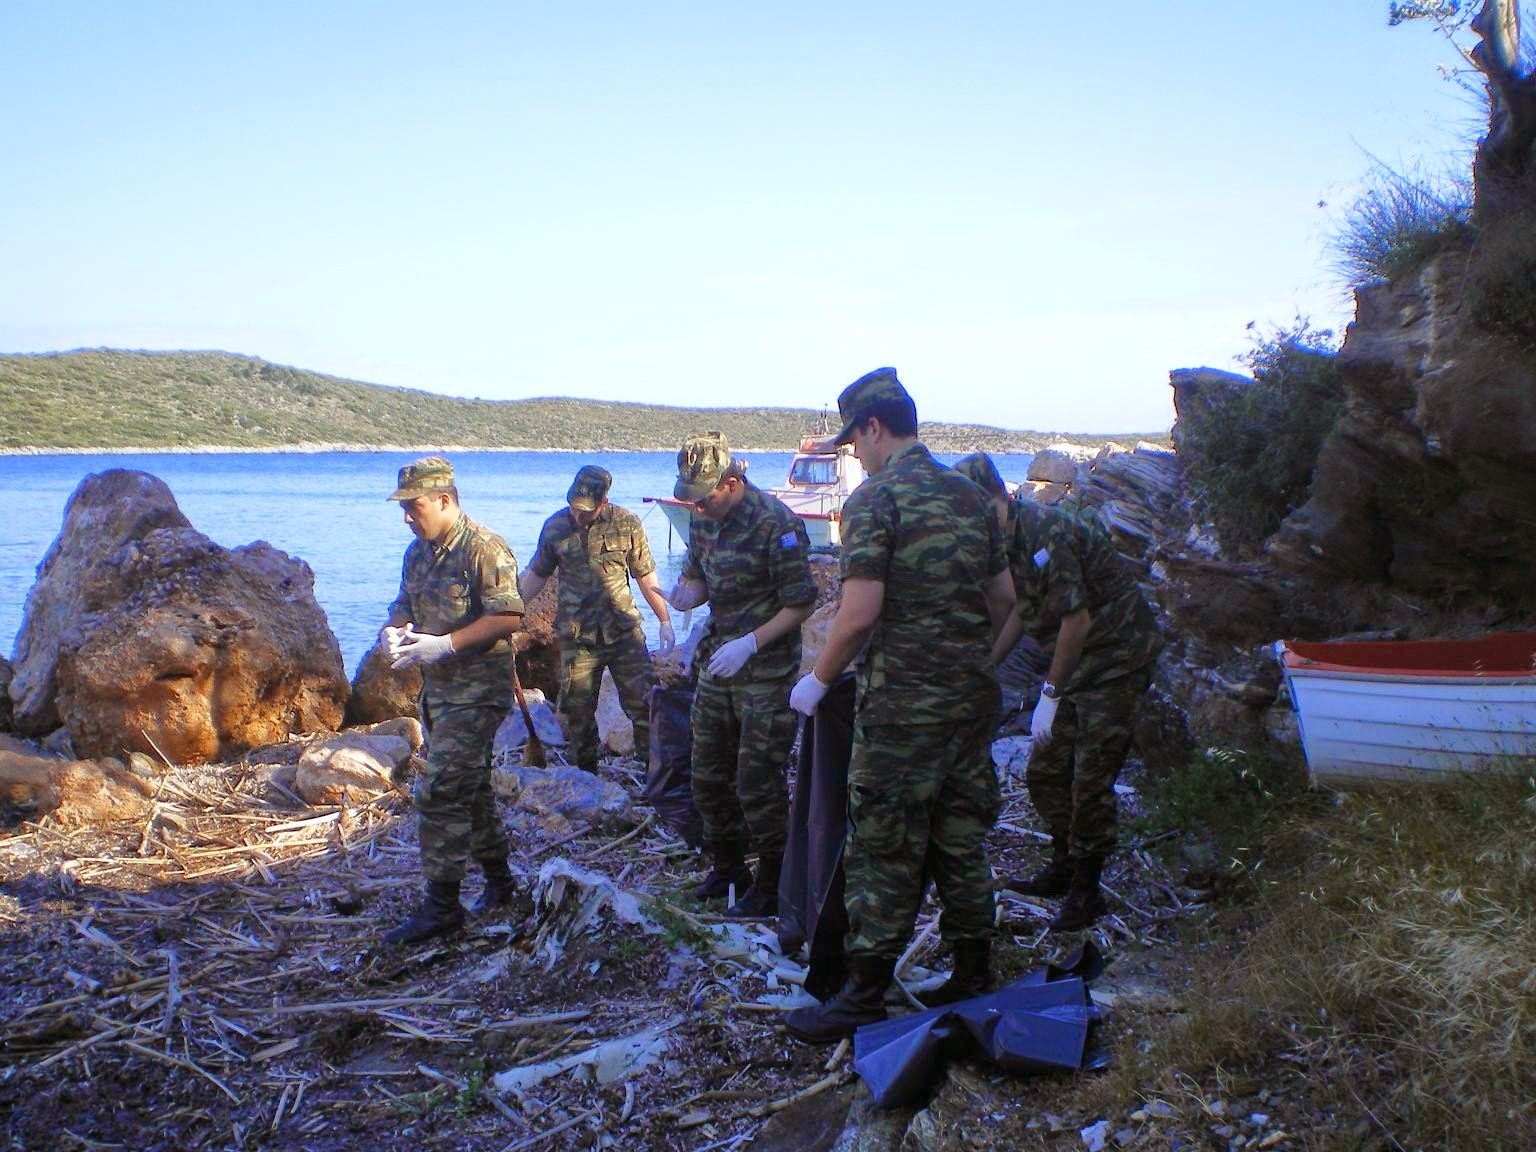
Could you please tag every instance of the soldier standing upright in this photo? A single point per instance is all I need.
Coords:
(596, 547)
(1080, 601)
(925, 590)
(748, 556)
(457, 605)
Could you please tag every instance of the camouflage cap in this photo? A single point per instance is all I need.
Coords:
(429, 474)
(590, 488)
(702, 463)
(979, 468)
(863, 394)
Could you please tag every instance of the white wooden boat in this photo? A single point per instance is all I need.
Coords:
(821, 476)
(1413, 710)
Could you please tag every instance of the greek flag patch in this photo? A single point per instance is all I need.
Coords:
(1041, 558)
(788, 540)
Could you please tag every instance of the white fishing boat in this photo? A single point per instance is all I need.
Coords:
(1413, 710)
(821, 476)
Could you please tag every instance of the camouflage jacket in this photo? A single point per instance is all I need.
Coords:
(595, 564)
(753, 563)
(1062, 561)
(931, 537)
(445, 586)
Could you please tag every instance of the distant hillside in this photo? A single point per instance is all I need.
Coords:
(102, 399)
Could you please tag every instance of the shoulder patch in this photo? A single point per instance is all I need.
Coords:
(1041, 558)
(788, 540)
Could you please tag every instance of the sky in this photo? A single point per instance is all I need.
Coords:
(1033, 215)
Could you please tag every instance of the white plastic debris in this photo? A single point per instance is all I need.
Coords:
(603, 1063)
(1095, 1135)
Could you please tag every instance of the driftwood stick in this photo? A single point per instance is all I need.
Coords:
(179, 1063)
(784, 1102)
(518, 1145)
(650, 818)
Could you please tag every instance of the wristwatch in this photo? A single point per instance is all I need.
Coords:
(1049, 690)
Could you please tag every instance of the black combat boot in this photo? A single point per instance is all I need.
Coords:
(1083, 904)
(730, 867)
(499, 888)
(972, 975)
(1052, 880)
(762, 899)
(440, 913)
(862, 1001)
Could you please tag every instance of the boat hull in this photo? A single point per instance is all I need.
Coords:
(1451, 711)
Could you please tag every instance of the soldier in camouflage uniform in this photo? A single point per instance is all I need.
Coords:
(748, 556)
(925, 590)
(596, 547)
(1080, 601)
(457, 605)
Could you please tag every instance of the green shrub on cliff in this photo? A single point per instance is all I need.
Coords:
(1250, 459)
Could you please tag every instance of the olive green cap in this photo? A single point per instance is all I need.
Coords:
(863, 394)
(419, 477)
(590, 488)
(702, 463)
(979, 468)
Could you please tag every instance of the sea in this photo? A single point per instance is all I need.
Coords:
(331, 509)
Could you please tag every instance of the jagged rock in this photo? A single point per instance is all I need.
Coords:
(379, 692)
(1057, 463)
(1045, 492)
(513, 732)
(172, 641)
(1197, 392)
(74, 792)
(536, 644)
(203, 650)
(105, 511)
(350, 767)
(6, 719)
(1429, 479)
(615, 730)
(563, 793)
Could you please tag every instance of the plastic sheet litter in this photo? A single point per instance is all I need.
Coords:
(669, 783)
(1038, 1023)
(811, 885)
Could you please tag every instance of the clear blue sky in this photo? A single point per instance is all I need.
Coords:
(1032, 214)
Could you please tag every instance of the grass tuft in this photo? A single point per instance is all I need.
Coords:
(1398, 223)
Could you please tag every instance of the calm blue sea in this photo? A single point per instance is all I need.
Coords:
(330, 509)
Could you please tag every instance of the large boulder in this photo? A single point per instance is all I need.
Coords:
(179, 645)
(106, 511)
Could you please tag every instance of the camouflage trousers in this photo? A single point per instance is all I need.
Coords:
(456, 816)
(1072, 779)
(581, 680)
(921, 800)
(742, 734)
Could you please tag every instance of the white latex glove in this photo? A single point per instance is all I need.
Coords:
(666, 638)
(1041, 719)
(807, 693)
(389, 636)
(412, 648)
(732, 656)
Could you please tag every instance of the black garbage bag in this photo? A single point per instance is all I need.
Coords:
(669, 783)
(1037, 1023)
(811, 884)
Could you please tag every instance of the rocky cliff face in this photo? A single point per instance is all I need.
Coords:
(1429, 481)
